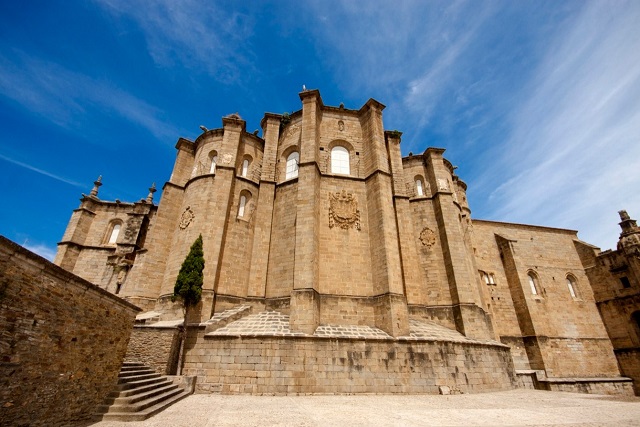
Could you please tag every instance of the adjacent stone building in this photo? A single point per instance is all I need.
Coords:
(334, 264)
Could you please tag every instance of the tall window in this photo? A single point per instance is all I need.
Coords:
(340, 160)
(419, 190)
(245, 168)
(214, 162)
(114, 234)
(533, 283)
(571, 284)
(241, 206)
(292, 165)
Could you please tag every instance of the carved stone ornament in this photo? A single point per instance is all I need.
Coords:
(427, 237)
(226, 158)
(186, 218)
(340, 125)
(343, 210)
(443, 184)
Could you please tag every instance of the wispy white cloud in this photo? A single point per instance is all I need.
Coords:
(572, 158)
(67, 97)
(41, 249)
(203, 36)
(41, 171)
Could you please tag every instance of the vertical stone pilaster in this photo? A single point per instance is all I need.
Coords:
(383, 229)
(305, 310)
(470, 319)
(264, 208)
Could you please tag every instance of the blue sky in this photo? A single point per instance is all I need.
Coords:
(537, 103)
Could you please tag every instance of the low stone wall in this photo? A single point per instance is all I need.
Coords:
(62, 341)
(156, 347)
(301, 365)
(611, 386)
(629, 361)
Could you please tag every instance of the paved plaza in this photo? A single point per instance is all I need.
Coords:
(509, 408)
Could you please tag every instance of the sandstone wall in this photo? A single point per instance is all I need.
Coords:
(156, 347)
(273, 365)
(62, 344)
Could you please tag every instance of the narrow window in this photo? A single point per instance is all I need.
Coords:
(340, 160)
(533, 283)
(419, 190)
(292, 165)
(571, 284)
(245, 168)
(492, 279)
(243, 202)
(114, 234)
(485, 277)
(214, 162)
(625, 282)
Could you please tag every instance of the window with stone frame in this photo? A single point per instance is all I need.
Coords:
(245, 168)
(292, 165)
(533, 283)
(340, 160)
(113, 232)
(572, 285)
(214, 162)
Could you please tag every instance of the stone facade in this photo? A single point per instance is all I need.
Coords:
(323, 221)
(62, 341)
(615, 278)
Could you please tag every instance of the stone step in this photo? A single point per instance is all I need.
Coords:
(138, 397)
(143, 415)
(145, 403)
(141, 389)
(127, 385)
(132, 367)
(132, 373)
(128, 364)
(140, 377)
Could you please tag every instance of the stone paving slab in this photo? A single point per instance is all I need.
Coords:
(509, 408)
(273, 323)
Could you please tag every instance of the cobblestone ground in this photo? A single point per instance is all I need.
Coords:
(510, 408)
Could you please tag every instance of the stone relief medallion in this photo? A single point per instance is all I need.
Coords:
(340, 125)
(186, 218)
(427, 237)
(226, 158)
(443, 184)
(343, 210)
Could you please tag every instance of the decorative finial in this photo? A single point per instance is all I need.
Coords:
(623, 215)
(96, 184)
(342, 105)
(151, 191)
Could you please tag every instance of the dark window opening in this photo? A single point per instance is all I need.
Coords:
(625, 282)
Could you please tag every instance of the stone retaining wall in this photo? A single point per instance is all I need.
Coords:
(156, 347)
(62, 341)
(294, 365)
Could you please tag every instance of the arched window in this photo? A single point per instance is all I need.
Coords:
(492, 279)
(292, 165)
(214, 162)
(245, 167)
(113, 235)
(572, 285)
(485, 277)
(340, 160)
(419, 190)
(533, 283)
(241, 206)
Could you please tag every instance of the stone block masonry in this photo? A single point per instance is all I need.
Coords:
(156, 347)
(62, 341)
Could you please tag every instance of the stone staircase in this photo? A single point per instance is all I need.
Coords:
(140, 394)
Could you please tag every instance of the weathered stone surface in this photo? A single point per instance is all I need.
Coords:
(62, 341)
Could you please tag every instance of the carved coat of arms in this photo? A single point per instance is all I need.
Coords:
(343, 210)
(427, 237)
(186, 218)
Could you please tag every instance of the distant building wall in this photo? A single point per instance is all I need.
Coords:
(156, 347)
(62, 344)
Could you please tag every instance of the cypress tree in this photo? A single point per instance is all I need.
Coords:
(188, 289)
(188, 286)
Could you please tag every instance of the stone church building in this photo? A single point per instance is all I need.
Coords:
(335, 265)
